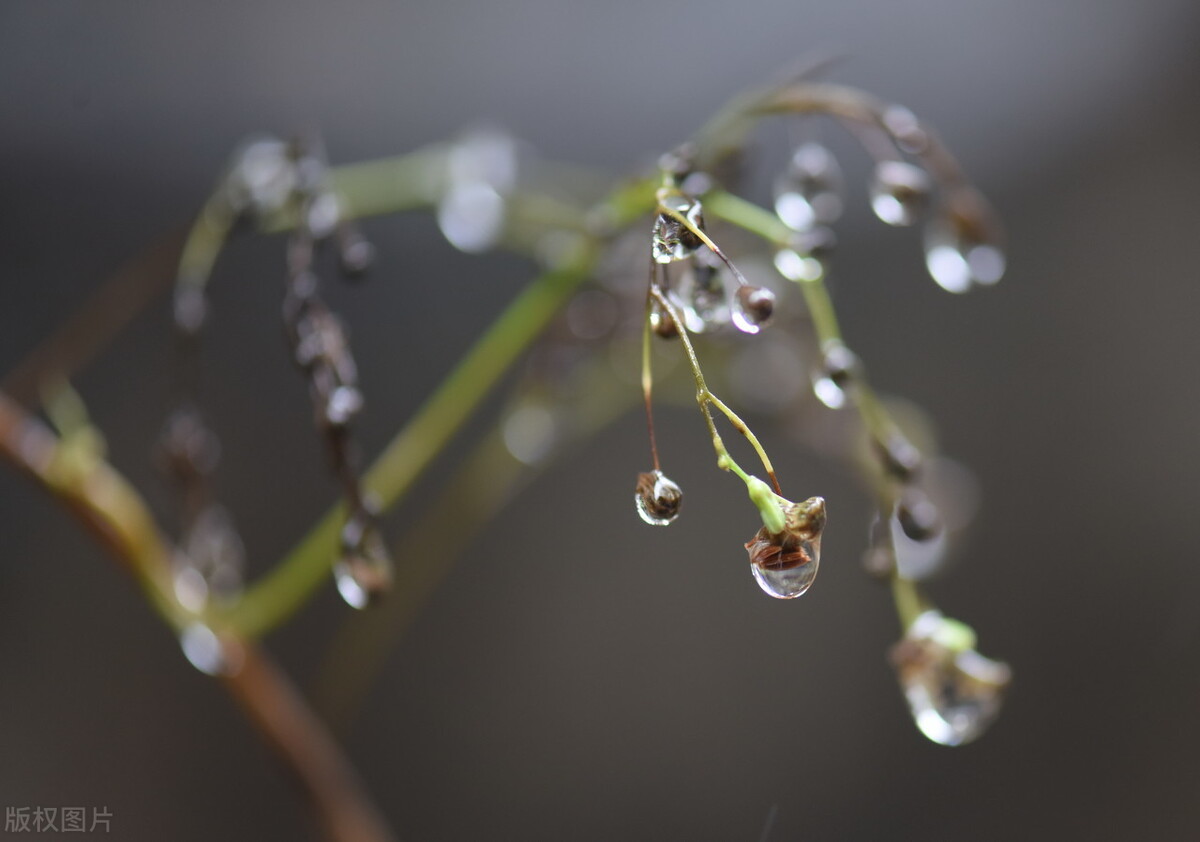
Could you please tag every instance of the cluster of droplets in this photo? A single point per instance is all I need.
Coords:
(954, 693)
(322, 352)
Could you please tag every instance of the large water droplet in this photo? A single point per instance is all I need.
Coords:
(753, 307)
(954, 693)
(700, 293)
(899, 192)
(657, 498)
(809, 192)
(959, 252)
(672, 240)
(785, 564)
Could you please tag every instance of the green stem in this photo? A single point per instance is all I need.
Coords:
(282, 591)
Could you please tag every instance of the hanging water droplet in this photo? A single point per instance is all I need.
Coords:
(899, 192)
(917, 536)
(700, 293)
(662, 323)
(364, 572)
(899, 456)
(833, 377)
(905, 129)
(671, 239)
(657, 498)
(205, 651)
(753, 308)
(263, 177)
(954, 693)
(807, 256)
(481, 170)
(809, 192)
(961, 251)
(785, 564)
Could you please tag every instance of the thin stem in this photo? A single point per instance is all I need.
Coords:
(648, 375)
(283, 590)
(703, 237)
(108, 507)
(909, 602)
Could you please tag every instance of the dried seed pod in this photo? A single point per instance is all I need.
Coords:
(658, 499)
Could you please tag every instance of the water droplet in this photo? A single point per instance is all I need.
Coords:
(807, 256)
(672, 240)
(191, 309)
(785, 564)
(753, 308)
(954, 693)
(364, 572)
(837, 370)
(205, 651)
(263, 176)
(960, 251)
(809, 192)
(899, 192)
(343, 404)
(700, 293)
(355, 253)
(471, 216)
(662, 323)
(917, 536)
(899, 456)
(529, 432)
(324, 214)
(658, 499)
(906, 129)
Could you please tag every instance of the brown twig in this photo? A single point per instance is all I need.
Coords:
(104, 503)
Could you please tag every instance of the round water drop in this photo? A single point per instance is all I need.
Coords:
(917, 537)
(785, 563)
(471, 216)
(953, 692)
(204, 650)
(958, 253)
(899, 192)
(830, 381)
(809, 192)
(753, 308)
(700, 294)
(657, 498)
(671, 239)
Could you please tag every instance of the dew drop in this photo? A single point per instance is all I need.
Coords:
(671, 239)
(662, 323)
(906, 129)
(657, 498)
(471, 216)
(953, 692)
(809, 192)
(785, 564)
(833, 377)
(700, 293)
(917, 536)
(753, 308)
(263, 176)
(204, 650)
(959, 252)
(343, 404)
(899, 192)
(364, 572)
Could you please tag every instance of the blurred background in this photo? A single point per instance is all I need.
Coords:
(578, 675)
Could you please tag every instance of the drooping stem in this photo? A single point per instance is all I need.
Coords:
(283, 590)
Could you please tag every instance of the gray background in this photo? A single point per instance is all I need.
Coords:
(580, 676)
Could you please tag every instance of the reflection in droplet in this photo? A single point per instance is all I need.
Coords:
(753, 308)
(899, 192)
(954, 693)
(809, 192)
(785, 564)
(657, 498)
(959, 252)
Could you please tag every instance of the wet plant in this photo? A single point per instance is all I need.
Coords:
(679, 288)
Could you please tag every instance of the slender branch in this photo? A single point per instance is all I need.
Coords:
(108, 507)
